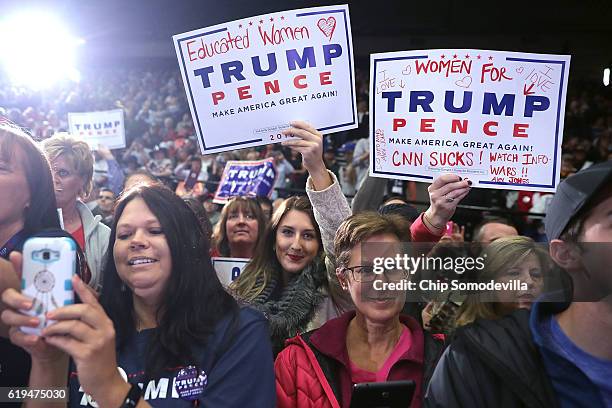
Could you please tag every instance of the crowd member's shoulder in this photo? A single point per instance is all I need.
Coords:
(494, 333)
(246, 321)
(501, 344)
(249, 315)
(490, 363)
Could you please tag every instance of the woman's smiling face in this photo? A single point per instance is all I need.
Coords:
(141, 252)
(297, 243)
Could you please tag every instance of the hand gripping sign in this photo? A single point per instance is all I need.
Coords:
(247, 79)
(494, 117)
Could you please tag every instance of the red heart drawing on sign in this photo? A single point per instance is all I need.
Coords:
(465, 82)
(327, 26)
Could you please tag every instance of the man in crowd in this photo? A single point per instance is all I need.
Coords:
(283, 170)
(266, 206)
(106, 201)
(491, 229)
(211, 208)
(557, 354)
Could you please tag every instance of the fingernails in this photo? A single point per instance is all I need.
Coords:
(34, 321)
(26, 305)
(50, 315)
(460, 178)
(469, 182)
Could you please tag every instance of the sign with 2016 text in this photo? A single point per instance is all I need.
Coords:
(104, 127)
(247, 79)
(491, 116)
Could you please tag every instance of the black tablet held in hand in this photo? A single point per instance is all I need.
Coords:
(389, 394)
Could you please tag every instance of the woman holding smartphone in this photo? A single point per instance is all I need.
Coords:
(163, 319)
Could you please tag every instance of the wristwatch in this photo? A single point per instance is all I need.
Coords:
(132, 397)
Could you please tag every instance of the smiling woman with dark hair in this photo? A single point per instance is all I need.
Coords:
(163, 317)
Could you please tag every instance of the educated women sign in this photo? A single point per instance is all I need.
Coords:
(247, 79)
(494, 117)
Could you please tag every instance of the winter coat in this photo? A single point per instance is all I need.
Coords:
(313, 370)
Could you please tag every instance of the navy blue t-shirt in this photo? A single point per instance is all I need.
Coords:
(577, 378)
(243, 376)
(597, 370)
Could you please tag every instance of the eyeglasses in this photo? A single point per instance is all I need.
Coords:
(365, 273)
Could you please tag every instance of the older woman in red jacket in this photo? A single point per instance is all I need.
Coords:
(373, 343)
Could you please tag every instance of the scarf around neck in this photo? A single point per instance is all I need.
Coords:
(296, 306)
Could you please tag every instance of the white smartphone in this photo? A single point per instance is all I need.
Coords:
(48, 267)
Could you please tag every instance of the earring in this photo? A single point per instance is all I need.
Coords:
(123, 287)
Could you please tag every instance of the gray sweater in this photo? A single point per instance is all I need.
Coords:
(97, 236)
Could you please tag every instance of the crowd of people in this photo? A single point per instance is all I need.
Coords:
(161, 141)
(302, 323)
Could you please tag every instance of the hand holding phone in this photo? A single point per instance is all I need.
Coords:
(48, 267)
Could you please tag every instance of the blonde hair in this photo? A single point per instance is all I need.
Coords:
(500, 255)
(77, 154)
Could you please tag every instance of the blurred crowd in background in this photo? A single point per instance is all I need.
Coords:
(161, 140)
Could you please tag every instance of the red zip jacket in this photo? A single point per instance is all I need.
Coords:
(313, 370)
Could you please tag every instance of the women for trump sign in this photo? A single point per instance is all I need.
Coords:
(247, 79)
(492, 116)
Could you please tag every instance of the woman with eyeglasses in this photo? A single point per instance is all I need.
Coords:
(374, 342)
(72, 167)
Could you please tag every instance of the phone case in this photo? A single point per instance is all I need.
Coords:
(48, 266)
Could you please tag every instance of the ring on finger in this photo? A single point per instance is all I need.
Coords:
(449, 199)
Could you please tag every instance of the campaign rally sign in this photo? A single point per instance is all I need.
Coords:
(246, 179)
(105, 127)
(228, 269)
(492, 116)
(247, 79)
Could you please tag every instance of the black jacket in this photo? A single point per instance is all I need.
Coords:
(492, 363)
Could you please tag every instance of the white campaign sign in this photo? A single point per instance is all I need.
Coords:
(494, 117)
(105, 127)
(229, 269)
(247, 79)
